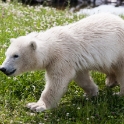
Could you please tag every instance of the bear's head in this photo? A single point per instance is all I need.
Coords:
(20, 56)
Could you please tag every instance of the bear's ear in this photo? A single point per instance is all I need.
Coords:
(12, 40)
(33, 45)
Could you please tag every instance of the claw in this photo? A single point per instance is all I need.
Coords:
(38, 107)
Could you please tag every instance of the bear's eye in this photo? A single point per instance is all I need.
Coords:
(15, 56)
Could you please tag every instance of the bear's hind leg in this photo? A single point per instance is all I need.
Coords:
(120, 80)
(86, 82)
(111, 80)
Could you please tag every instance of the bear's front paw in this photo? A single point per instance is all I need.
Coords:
(37, 106)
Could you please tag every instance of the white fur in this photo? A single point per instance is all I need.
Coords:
(70, 52)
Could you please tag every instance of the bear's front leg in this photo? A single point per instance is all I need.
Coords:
(84, 80)
(37, 106)
(56, 86)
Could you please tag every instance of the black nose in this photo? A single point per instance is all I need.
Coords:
(3, 69)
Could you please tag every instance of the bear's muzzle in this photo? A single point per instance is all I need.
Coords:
(7, 72)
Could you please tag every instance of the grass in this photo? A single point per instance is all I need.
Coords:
(16, 92)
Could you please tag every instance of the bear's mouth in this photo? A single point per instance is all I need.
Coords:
(10, 73)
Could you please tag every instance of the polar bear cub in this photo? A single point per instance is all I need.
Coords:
(69, 53)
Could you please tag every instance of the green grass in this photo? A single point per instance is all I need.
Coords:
(16, 92)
